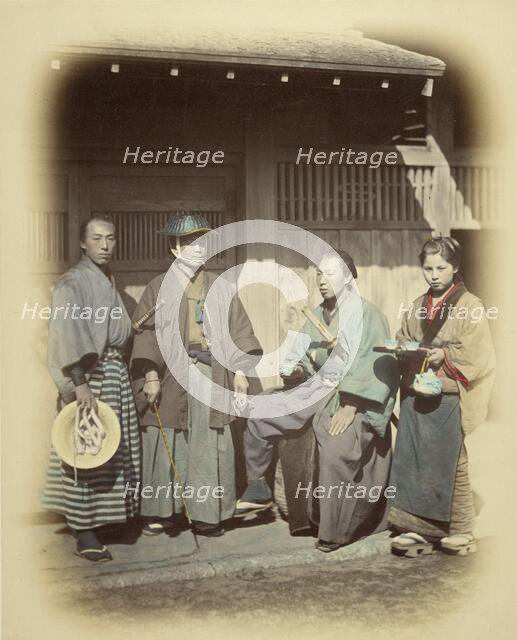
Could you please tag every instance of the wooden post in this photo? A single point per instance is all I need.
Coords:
(261, 302)
(440, 139)
(259, 168)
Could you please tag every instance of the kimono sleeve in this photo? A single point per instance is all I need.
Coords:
(146, 352)
(241, 331)
(471, 353)
(299, 351)
(70, 338)
(404, 332)
(471, 356)
(372, 377)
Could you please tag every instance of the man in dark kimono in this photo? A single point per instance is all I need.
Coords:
(199, 436)
(350, 424)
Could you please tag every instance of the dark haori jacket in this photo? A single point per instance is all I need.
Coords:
(147, 355)
(88, 315)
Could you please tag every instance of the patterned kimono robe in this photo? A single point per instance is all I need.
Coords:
(90, 327)
(430, 470)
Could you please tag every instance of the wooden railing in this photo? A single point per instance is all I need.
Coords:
(398, 195)
(352, 193)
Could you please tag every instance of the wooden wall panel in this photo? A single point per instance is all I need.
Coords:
(386, 270)
(109, 112)
(156, 193)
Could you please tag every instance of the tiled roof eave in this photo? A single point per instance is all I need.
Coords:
(396, 61)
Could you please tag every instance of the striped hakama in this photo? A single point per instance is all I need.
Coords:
(107, 494)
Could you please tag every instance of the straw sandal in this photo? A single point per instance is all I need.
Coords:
(460, 544)
(153, 528)
(208, 530)
(411, 545)
(327, 547)
(93, 554)
(89, 547)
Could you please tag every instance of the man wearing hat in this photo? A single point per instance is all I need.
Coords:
(198, 436)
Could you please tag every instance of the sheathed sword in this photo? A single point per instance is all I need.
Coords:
(138, 324)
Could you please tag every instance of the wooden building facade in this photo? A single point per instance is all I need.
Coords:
(259, 103)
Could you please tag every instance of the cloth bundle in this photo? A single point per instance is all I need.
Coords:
(427, 384)
(88, 432)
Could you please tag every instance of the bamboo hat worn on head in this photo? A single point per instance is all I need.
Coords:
(185, 223)
(63, 439)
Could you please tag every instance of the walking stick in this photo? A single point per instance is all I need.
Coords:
(175, 472)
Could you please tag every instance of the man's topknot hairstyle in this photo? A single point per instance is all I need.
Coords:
(99, 217)
(347, 259)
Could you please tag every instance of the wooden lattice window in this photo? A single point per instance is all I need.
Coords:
(476, 196)
(352, 193)
(48, 237)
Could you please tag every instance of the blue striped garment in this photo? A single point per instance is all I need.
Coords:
(101, 496)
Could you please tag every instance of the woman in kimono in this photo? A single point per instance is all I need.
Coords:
(434, 502)
(88, 333)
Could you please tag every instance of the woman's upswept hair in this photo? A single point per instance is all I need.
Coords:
(99, 217)
(449, 248)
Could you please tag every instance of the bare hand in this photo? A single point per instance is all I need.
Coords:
(342, 419)
(85, 398)
(152, 389)
(436, 357)
(240, 383)
(294, 377)
(240, 392)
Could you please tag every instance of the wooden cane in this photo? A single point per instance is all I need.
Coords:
(175, 471)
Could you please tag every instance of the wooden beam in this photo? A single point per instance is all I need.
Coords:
(99, 52)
